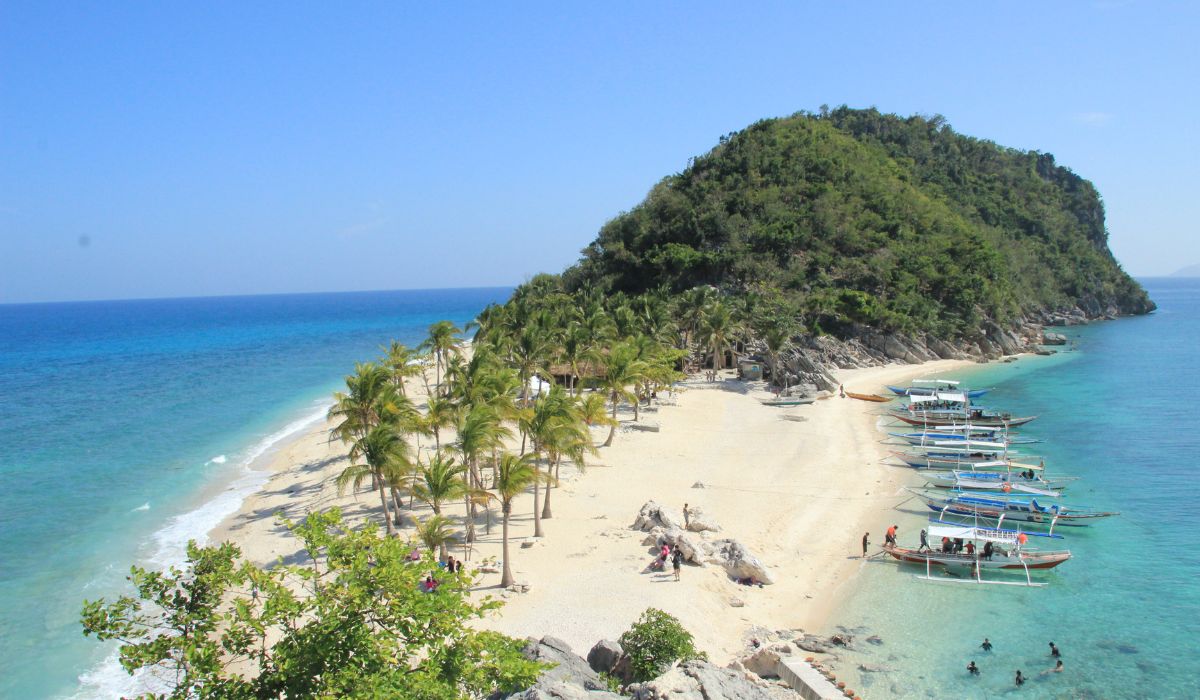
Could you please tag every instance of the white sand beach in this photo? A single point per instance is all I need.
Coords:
(799, 494)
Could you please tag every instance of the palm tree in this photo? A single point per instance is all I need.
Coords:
(383, 455)
(480, 431)
(573, 350)
(716, 331)
(403, 363)
(435, 532)
(569, 438)
(370, 399)
(514, 474)
(778, 339)
(439, 413)
(547, 415)
(593, 410)
(531, 352)
(439, 481)
(622, 368)
(443, 340)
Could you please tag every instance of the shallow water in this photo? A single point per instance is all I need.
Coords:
(130, 427)
(1120, 412)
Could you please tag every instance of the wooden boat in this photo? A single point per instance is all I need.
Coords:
(962, 462)
(931, 436)
(787, 401)
(868, 397)
(965, 419)
(1009, 553)
(1002, 507)
(1005, 482)
(929, 386)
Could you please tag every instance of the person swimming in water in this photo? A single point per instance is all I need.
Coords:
(1054, 651)
(987, 644)
(973, 669)
(1020, 680)
(1058, 668)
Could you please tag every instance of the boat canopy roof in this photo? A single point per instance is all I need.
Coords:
(947, 382)
(983, 534)
(954, 396)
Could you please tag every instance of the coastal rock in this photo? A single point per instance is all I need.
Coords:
(569, 668)
(739, 562)
(652, 515)
(1049, 338)
(699, 520)
(763, 663)
(603, 656)
(699, 680)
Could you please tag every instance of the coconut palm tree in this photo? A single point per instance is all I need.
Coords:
(569, 438)
(621, 369)
(440, 413)
(435, 532)
(383, 455)
(443, 341)
(441, 480)
(593, 410)
(514, 474)
(716, 331)
(778, 339)
(480, 431)
(402, 363)
(370, 399)
(531, 351)
(541, 422)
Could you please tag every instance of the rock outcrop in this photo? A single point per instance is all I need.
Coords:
(700, 680)
(570, 678)
(652, 515)
(737, 560)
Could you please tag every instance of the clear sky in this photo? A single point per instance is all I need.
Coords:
(173, 149)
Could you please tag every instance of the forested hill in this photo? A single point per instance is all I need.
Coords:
(862, 218)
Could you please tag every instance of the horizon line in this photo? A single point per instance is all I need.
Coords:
(256, 294)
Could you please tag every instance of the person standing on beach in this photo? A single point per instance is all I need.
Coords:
(677, 561)
(924, 543)
(687, 514)
(866, 541)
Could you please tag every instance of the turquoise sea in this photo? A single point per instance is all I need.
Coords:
(129, 427)
(1120, 411)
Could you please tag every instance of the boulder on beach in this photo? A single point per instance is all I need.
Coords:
(738, 561)
(653, 515)
(699, 520)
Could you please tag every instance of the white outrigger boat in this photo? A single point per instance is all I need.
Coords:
(1012, 554)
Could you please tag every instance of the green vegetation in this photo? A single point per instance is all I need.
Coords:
(856, 217)
(351, 622)
(654, 642)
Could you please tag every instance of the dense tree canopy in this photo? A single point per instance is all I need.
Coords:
(862, 217)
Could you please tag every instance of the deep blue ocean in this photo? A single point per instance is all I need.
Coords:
(129, 427)
(1120, 411)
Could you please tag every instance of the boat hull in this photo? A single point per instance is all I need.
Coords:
(1010, 561)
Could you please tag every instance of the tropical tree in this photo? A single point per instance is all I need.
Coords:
(435, 532)
(439, 481)
(531, 351)
(549, 414)
(480, 431)
(570, 438)
(621, 369)
(383, 455)
(716, 332)
(443, 341)
(440, 412)
(350, 621)
(370, 399)
(514, 474)
(778, 339)
(402, 363)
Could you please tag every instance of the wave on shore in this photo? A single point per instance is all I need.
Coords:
(108, 679)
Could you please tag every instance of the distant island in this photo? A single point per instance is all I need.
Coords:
(1189, 271)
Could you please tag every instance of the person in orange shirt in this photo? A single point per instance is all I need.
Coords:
(890, 537)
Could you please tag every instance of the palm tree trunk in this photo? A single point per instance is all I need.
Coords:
(537, 482)
(396, 503)
(612, 430)
(387, 516)
(470, 534)
(546, 507)
(506, 578)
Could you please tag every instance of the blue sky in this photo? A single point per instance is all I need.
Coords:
(172, 149)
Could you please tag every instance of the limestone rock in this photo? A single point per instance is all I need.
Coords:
(604, 655)
(763, 663)
(653, 515)
(699, 520)
(569, 669)
(699, 680)
(1049, 338)
(739, 562)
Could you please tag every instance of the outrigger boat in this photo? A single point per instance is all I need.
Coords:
(993, 481)
(965, 462)
(933, 435)
(1002, 507)
(787, 401)
(1011, 555)
(971, 418)
(929, 386)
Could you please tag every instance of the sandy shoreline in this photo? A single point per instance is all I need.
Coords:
(798, 494)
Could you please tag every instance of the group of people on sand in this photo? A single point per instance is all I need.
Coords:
(1020, 679)
(671, 554)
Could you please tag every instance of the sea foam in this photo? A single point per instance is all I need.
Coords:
(108, 679)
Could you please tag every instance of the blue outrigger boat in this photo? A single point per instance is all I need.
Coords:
(1002, 507)
(933, 437)
(930, 386)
